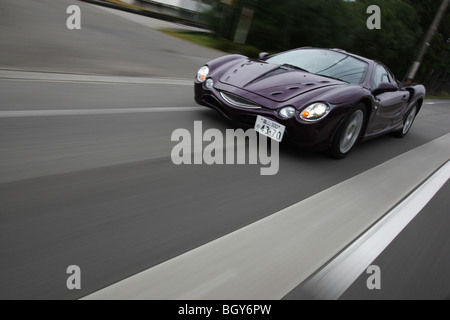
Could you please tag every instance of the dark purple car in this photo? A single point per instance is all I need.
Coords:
(322, 98)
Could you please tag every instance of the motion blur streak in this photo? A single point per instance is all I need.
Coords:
(77, 78)
(49, 113)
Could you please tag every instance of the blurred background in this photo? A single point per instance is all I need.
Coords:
(275, 26)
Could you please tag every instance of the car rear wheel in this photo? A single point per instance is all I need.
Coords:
(407, 123)
(349, 133)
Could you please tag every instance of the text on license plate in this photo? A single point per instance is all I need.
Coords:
(269, 128)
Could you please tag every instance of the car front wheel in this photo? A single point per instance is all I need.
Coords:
(348, 133)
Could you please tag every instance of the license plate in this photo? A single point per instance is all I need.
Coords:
(269, 128)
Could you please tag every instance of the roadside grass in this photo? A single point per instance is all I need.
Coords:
(210, 41)
(438, 97)
(200, 38)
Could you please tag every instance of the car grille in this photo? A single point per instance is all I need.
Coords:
(238, 101)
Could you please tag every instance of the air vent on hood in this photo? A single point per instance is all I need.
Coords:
(274, 94)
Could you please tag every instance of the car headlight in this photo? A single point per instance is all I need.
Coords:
(315, 112)
(287, 112)
(202, 73)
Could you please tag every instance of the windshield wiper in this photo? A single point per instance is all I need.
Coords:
(291, 66)
(331, 77)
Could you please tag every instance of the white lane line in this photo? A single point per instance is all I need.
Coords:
(337, 276)
(79, 78)
(78, 112)
(271, 257)
(437, 102)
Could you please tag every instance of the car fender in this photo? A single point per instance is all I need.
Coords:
(417, 91)
(342, 99)
(219, 66)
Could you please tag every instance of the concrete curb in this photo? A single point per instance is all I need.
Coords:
(147, 13)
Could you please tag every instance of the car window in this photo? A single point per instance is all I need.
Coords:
(382, 75)
(379, 76)
(324, 62)
(391, 77)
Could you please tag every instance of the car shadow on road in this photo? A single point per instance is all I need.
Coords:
(365, 155)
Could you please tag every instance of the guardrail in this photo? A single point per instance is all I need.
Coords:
(149, 13)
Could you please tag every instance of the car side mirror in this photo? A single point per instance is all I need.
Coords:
(385, 87)
(263, 55)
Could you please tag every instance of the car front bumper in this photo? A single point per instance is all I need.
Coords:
(317, 135)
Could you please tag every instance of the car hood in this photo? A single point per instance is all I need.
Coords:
(274, 82)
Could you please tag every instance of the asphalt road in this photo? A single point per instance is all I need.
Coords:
(35, 37)
(423, 274)
(99, 190)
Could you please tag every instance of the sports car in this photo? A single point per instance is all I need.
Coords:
(328, 99)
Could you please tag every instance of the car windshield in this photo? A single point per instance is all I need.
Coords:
(327, 63)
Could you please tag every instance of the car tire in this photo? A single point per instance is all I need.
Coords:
(349, 133)
(407, 123)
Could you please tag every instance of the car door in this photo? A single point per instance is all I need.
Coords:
(389, 104)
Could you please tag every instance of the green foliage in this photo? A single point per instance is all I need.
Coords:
(214, 42)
